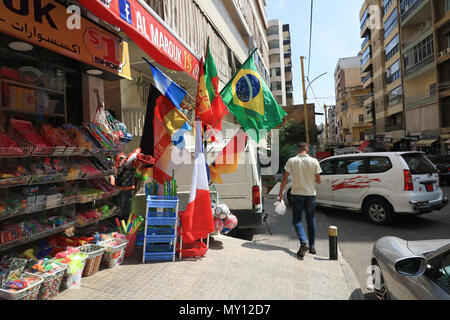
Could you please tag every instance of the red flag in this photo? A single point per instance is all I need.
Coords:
(197, 221)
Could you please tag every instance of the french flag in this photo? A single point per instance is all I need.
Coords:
(197, 221)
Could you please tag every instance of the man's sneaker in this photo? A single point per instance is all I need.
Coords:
(303, 249)
(312, 251)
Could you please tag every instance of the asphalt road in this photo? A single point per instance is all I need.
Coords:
(356, 235)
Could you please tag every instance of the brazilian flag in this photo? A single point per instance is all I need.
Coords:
(249, 99)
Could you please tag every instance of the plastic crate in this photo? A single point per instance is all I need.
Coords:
(51, 284)
(30, 293)
(94, 257)
(159, 256)
(163, 231)
(193, 250)
(114, 252)
(162, 202)
(159, 239)
(162, 222)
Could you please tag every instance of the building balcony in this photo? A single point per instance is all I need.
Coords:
(421, 100)
(366, 41)
(367, 80)
(344, 107)
(412, 71)
(394, 127)
(409, 8)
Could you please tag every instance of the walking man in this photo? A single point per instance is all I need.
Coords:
(305, 172)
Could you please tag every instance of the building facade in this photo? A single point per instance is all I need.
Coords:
(280, 60)
(405, 54)
(350, 108)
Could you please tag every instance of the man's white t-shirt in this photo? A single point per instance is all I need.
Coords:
(303, 169)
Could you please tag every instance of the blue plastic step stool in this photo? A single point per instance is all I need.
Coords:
(160, 236)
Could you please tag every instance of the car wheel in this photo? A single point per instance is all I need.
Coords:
(289, 197)
(382, 292)
(378, 211)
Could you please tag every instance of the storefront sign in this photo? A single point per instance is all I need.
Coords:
(45, 23)
(147, 32)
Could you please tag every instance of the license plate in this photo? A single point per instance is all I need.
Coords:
(423, 205)
(429, 187)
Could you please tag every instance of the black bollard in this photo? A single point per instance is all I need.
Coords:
(333, 238)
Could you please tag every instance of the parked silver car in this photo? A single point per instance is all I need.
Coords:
(410, 270)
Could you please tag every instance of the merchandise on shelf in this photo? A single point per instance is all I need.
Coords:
(29, 133)
(8, 146)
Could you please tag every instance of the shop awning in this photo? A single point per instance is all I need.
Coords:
(425, 143)
(148, 31)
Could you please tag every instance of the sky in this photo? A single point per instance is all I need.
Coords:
(335, 35)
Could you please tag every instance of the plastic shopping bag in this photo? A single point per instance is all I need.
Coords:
(280, 207)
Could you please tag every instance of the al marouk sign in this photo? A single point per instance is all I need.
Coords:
(147, 32)
(45, 23)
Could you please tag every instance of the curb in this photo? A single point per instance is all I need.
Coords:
(350, 277)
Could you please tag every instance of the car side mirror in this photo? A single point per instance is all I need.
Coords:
(411, 267)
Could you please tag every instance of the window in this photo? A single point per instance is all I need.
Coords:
(395, 96)
(366, 56)
(272, 30)
(392, 47)
(274, 44)
(441, 275)
(379, 164)
(327, 168)
(364, 18)
(393, 72)
(351, 166)
(387, 4)
(419, 53)
(447, 5)
(276, 86)
(391, 23)
(361, 119)
(418, 164)
(275, 72)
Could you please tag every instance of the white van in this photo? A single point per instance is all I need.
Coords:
(380, 185)
(241, 191)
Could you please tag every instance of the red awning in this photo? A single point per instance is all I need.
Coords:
(364, 146)
(141, 25)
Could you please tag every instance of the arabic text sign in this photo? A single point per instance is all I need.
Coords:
(44, 23)
(133, 15)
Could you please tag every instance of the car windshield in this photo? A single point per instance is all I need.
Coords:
(418, 164)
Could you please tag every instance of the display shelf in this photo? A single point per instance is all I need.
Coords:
(31, 180)
(34, 113)
(105, 195)
(104, 217)
(9, 153)
(37, 236)
(8, 214)
(30, 86)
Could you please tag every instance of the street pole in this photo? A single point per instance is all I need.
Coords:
(326, 124)
(304, 101)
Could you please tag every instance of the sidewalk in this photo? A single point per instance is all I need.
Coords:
(266, 268)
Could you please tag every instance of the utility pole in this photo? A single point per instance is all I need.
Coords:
(326, 124)
(304, 101)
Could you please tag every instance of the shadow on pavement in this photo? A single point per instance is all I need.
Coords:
(268, 247)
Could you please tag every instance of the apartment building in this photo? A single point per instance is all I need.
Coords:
(280, 60)
(405, 63)
(332, 124)
(350, 108)
(425, 31)
(382, 72)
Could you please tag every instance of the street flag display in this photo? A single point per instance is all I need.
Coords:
(173, 119)
(197, 221)
(157, 140)
(250, 100)
(228, 161)
(209, 107)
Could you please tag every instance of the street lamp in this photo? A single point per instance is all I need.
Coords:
(305, 90)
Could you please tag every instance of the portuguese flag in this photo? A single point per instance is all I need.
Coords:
(250, 100)
(209, 105)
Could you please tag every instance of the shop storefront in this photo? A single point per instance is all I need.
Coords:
(58, 149)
